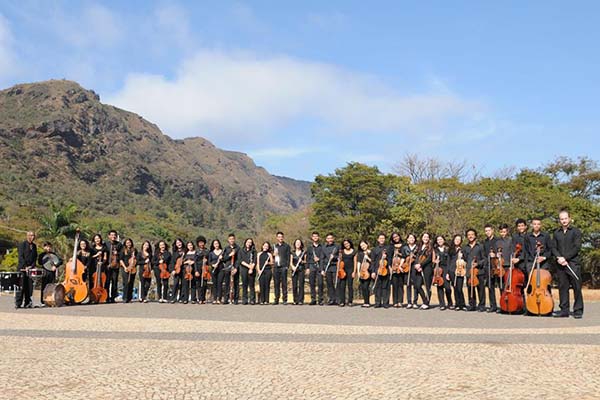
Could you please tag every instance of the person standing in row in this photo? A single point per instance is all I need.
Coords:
(397, 275)
(114, 248)
(454, 255)
(231, 278)
(490, 247)
(215, 260)
(381, 255)
(330, 258)
(84, 255)
(177, 276)
(423, 273)
(188, 268)
(265, 263)
(50, 262)
(128, 261)
(144, 265)
(365, 268)
(314, 257)
(410, 250)
(248, 271)
(346, 285)
(474, 255)
(281, 252)
(566, 247)
(298, 264)
(442, 257)
(200, 281)
(100, 256)
(162, 258)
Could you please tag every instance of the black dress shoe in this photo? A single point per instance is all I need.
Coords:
(312, 303)
(377, 306)
(341, 305)
(492, 310)
(560, 315)
(386, 306)
(577, 316)
(321, 303)
(17, 306)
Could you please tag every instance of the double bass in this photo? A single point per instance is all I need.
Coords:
(511, 299)
(539, 301)
(76, 290)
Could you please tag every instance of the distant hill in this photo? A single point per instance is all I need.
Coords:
(60, 143)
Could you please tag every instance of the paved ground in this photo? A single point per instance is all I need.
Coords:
(163, 351)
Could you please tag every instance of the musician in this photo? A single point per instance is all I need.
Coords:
(519, 238)
(298, 264)
(200, 283)
(330, 258)
(475, 256)
(364, 256)
(410, 248)
(442, 256)
(144, 260)
(504, 244)
(230, 270)
(27, 252)
(177, 278)
(50, 261)
(248, 271)
(84, 255)
(566, 247)
(382, 292)
(188, 268)
(423, 272)
(114, 248)
(281, 252)
(454, 253)
(215, 259)
(265, 263)
(490, 247)
(347, 284)
(532, 239)
(314, 262)
(397, 279)
(128, 261)
(162, 256)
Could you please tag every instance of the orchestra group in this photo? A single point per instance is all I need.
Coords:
(510, 273)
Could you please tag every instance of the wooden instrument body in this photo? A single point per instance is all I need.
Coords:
(76, 290)
(396, 263)
(511, 299)
(188, 273)
(98, 293)
(147, 272)
(473, 279)
(178, 264)
(341, 271)
(132, 264)
(364, 270)
(54, 295)
(382, 270)
(539, 301)
(206, 276)
(408, 263)
(438, 276)
(164, 270)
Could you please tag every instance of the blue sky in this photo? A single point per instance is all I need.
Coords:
(304, 87)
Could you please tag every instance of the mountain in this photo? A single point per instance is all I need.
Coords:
(59, 143)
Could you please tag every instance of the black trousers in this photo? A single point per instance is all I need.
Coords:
(418, 279)
(298, 286)
(565, 281)
(344, 286)
(128, 282)
(331, 294)
(199, 289)
(236, 286)
(264, 283)
(162, 285)
(398, 282)
(280, 280)
(445, 289)
(112, 283)
(382, 290)
(365, 290)
(145, 286)
(315, 280)
(221, 285)
(24, 291)
(477, 292)
(248, 285)
(177, 286)
(492, 283)
(459, 295)
(48, 277)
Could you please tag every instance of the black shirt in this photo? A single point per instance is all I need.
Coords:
(27, 254)
(312, 252)
(505, 246)
(247, 256)
(158, 256)
(567, 244)
(227, 262)
(531, 247)
(469, 254)
(282, 250)
(330, 252)
(348, 261)
(114, 251)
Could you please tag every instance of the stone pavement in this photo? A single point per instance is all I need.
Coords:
(163, 351)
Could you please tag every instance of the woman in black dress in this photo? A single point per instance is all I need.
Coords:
(364, 258)
(215, 260)
(178, 252)
(264, 274)
(162, 257)
(247, 258)
(99, 253)
(455, 253)
(398, 278)
(128, 260)
(442, 256)
(297, 265)
(347, 284)
(84, 255)
(144, 261)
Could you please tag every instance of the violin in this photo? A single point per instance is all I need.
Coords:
(382, 270)
(511, 299)
(205, 271)
(114, 257)
(408, 261)
(147, 272)
(498, 264)
(364, 267)
(132, 264)
(164, 269)
(178, 264)
(438, 273)
(473, 280)
(539, 301)
(396, 263)
(461, 265)
(341, 272)
(188, 272)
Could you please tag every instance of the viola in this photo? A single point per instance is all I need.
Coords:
(438, 273)
(188, 272)
(408, 262)
(132, 264)
(164, 269)
(473, 280)
(341, 272)
(396, 263)
(76, 290)
(539, 301)
(498, 264)
(114, 257)
(178, 264)
(511, 300)
(461, 266)
(205, 271)
(147, 272)
(382, 270)
(364, 267)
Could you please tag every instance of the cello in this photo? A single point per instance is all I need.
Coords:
(511, 299)
(538, 298)
(76, 290)
(98, 294)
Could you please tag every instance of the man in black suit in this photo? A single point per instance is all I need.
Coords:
(27, 260)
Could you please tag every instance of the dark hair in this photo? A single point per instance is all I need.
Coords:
(536, 219)
(520, 221)
(504, 226)
(380, 234)
(192, 243)
(471, 230)
(87, 244)
(97, 235)
(113, 231)
(488, 226)
(365, 242)
(330, 234)
(279, 233)
(212, 245)
(231, 235)
(149, 248)
(201, 239)
(165, 243)
(349, 242)
(564, 210)
(440, 236)
(392, 237)
(301, 244)
(413, 235)
(252, 240)
(47, 244)
(128, 240)
(315, 233)
(175, 243)
(454, 239)
(268, 244)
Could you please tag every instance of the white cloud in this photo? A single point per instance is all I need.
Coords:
(8, 63)
(281, 152)
(94, 27)
(216, 93)
(172, 23)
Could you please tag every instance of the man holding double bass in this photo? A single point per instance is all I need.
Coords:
(566, 247)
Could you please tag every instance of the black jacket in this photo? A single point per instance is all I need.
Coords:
(567, 244)
(27, 254)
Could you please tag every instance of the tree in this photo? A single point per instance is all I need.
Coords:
(59, 225)
(352, 201)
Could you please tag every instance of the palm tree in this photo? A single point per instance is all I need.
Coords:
(59, 226)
